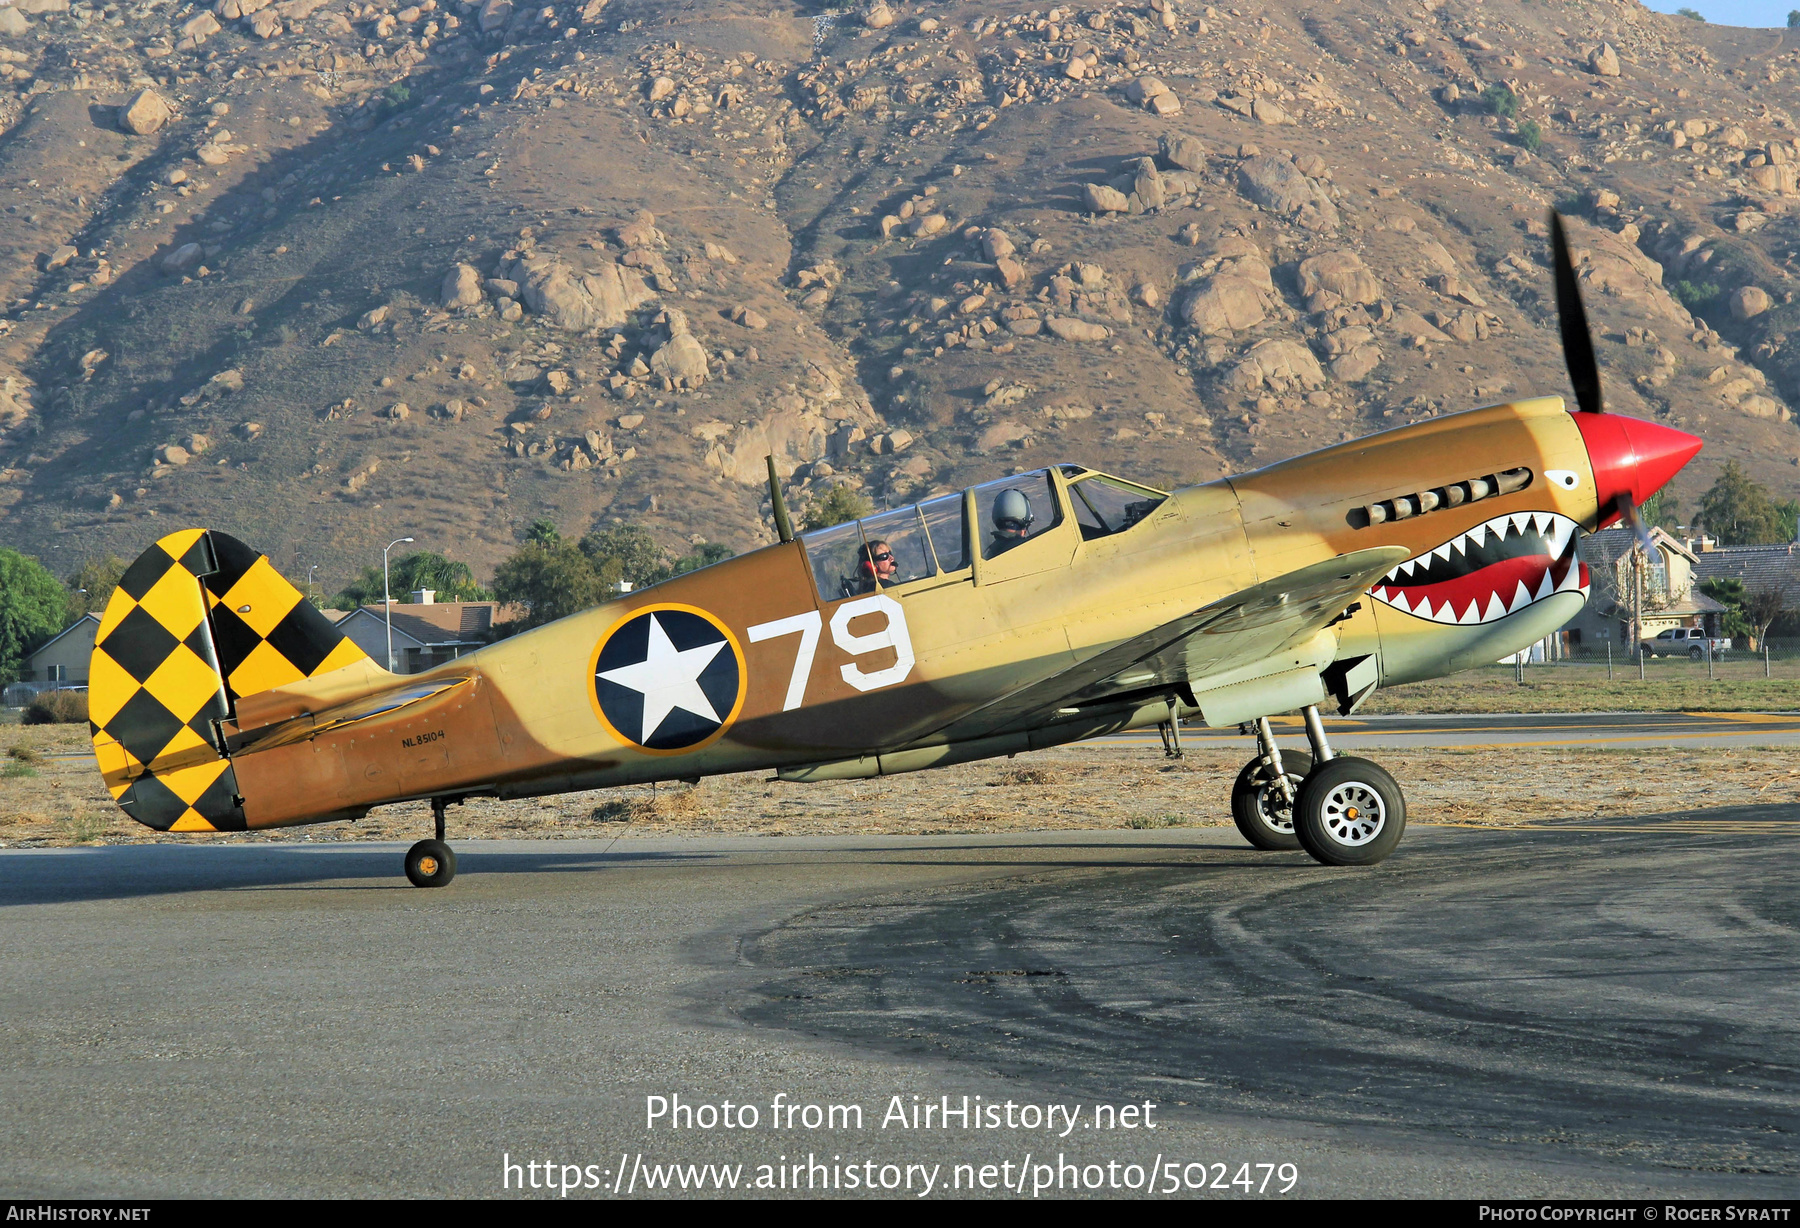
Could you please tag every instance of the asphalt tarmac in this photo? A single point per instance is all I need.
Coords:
(1608, 730)
(1582, 1009)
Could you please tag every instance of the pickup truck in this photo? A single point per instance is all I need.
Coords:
(1685, 641)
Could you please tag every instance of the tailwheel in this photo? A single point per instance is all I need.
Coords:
(1350, 812)
(430, 863)
(1259, 807)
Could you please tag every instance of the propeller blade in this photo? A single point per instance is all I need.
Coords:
(1629, 513)
(1578, 343)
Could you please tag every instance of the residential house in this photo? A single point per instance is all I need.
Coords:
(1670, 596)
(427, 632)
(1758, 567)
(63, 659)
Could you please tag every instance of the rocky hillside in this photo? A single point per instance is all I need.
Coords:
(324, 274)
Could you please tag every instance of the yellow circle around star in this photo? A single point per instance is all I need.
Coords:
(660, 695)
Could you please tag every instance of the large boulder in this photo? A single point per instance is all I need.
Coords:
(1604, 61)
(1071, 329)
(680, 358)
(1279, 364)
(1341, 273)
(144, 114)
(1275, 183)
(575, 301)
(1748, 301)
(1102, 199)
(12, 22)
(461, 288)
(1225, 304)
(1183, 152)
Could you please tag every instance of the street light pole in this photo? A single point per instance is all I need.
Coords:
(309, 580)
(387, 599)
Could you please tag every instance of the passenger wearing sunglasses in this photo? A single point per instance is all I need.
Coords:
(875, 567)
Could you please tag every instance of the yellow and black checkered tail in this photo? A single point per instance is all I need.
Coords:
(199, 620)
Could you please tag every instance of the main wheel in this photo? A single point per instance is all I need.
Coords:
(1261, 813)
(1350, 812)
(430, 863)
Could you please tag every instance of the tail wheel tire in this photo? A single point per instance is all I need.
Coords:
(430, 863)
(1350, 812)
(1261, 813)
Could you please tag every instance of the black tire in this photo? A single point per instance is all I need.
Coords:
(1695, 654)
(1256, 803)
(430, 863)
(1332, 816)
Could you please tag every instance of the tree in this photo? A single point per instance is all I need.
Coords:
(629, 550)
(1501, 101)
(450, 579)
(1662, 510)
(543, 531)
(93, 584)
(1690, 14)
(1793, 19)
(1530, 135)
(551, 581)
(1730, 594)
(33, 607)
(1739, 511)
(704, 554)
(1762, 607)
(840, 504)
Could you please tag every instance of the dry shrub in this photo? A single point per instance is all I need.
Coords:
(24, 754)
(57, 708)
(1027, 776)
(663, 804)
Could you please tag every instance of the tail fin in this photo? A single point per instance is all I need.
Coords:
(198, 620)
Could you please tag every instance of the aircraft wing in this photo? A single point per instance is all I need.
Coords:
(1234, 631)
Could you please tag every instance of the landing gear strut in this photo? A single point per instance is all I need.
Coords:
(1262, 799)
(431, 863)
(1343, 810)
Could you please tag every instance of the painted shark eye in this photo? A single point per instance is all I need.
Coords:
(1568, 479)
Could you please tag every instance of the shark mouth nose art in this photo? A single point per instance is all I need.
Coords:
(1497, 568)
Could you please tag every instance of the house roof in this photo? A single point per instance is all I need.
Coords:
(1608, 546)
(441, 623)
(93, 618)
(1759, 567)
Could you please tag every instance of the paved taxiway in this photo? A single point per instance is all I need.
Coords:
(1600, 730)
(1600, 1009)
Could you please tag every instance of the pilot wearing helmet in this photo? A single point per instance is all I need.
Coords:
(1012, 518)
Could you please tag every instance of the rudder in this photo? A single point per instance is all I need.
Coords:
(198, 620)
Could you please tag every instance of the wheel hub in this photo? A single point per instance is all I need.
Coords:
(1274, 810)
(428, 866)
(1353, 813)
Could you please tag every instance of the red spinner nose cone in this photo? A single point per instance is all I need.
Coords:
(1632, 457)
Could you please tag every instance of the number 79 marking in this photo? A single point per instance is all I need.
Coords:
(807, 625)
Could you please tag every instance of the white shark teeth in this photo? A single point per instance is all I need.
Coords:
(1557, 532)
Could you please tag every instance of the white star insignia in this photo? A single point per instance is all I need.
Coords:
(668, 678)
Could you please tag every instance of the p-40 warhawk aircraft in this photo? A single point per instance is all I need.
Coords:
(1034, 610)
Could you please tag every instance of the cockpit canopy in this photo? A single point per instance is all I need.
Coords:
(933, 538)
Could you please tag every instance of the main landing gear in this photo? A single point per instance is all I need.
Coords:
(432, 863)
(1342, 810)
